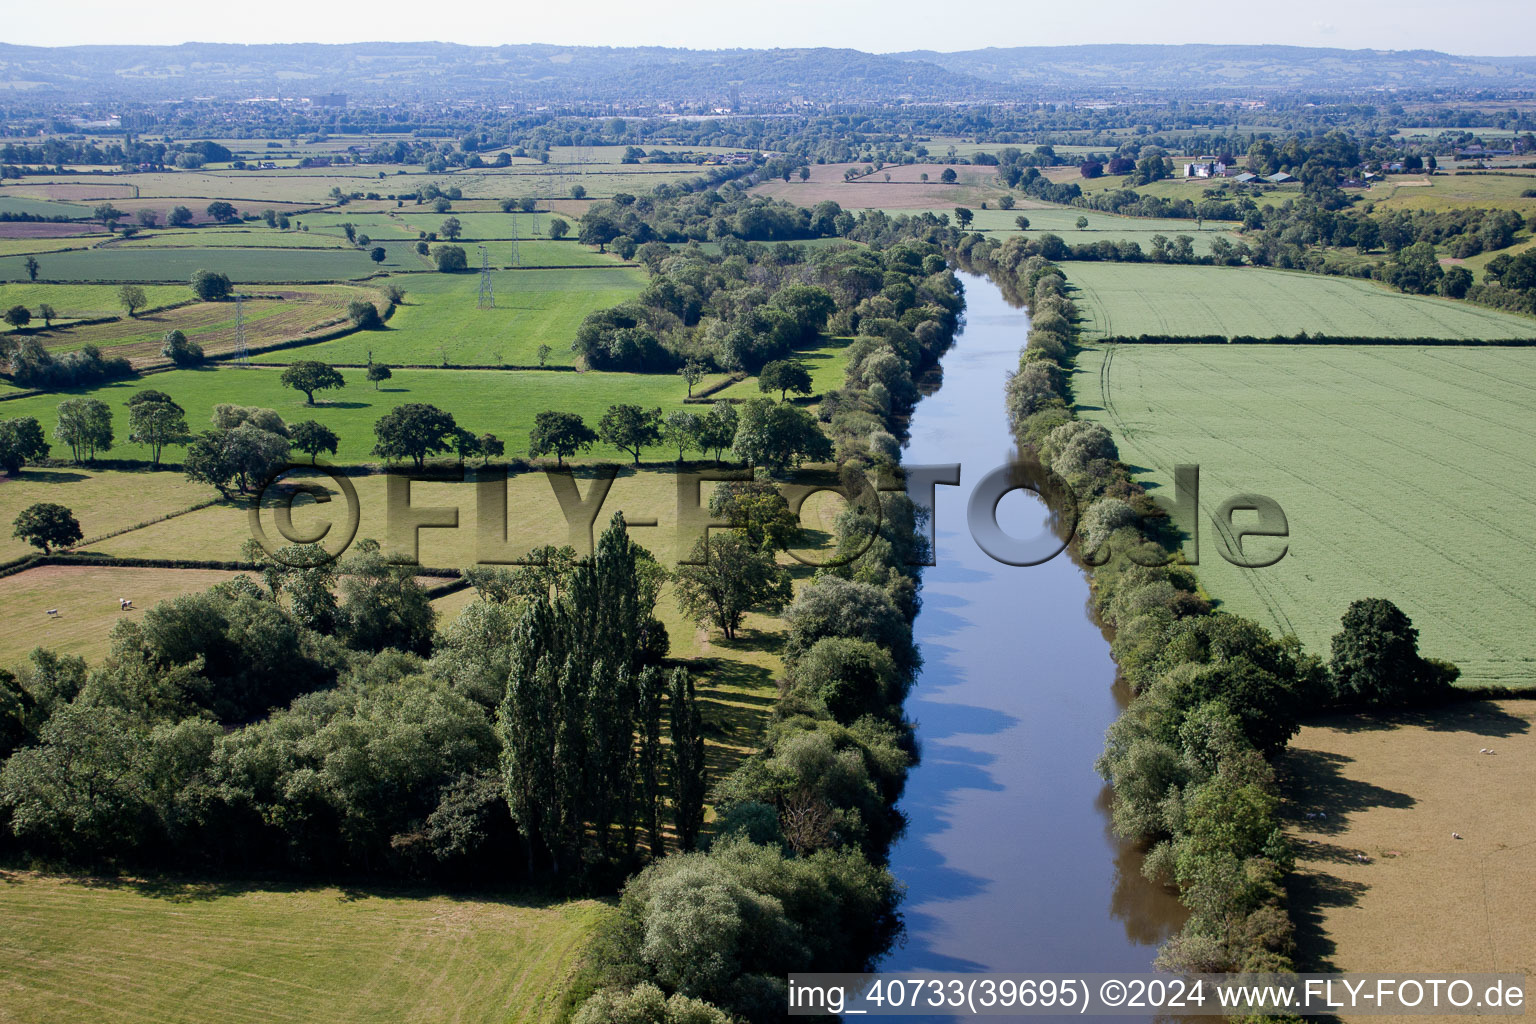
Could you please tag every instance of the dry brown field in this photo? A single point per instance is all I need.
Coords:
(1382, 883)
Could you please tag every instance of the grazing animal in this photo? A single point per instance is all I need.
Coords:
(124, 604)
(1455, 835)
(53, 611)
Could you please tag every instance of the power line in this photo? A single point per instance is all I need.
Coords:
(242, 354)
(487, 298)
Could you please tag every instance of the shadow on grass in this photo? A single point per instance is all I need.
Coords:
(1309, 893)
(192, 889)
(1478, 717)
(46, 476)
(1315, 779)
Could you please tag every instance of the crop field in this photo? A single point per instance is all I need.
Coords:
(10, 203)
(1394, 789)
(1404, 473)
(905, 191)
(215, 953)
(245, 237)
(1137, 298)
(167, 264)
(440, 318)
(40, 244)
(272, 317)
(502, 402)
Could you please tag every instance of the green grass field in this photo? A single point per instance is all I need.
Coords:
(151, 263)
(502, 402)
(1138, 298)
(119, 951)
(533, 308)
(83, 301)
(1405, 473)
(1454, 191)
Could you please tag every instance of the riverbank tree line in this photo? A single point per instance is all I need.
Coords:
(1217, 697)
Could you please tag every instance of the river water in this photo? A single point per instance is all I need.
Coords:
(1008, 858)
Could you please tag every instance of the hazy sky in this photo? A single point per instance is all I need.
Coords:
(1492, 27)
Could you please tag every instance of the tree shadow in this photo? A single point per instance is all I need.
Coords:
(47, 476)
(1478, 717)
(1309, 893)
(1315, 778)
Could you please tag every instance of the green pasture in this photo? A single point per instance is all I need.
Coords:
(502, 402)
(83, 301)
(119, 950)
(441, 316)
(1454, 191)
(828, 363)
(1404, 473)
(244, 266)
(1141, 298)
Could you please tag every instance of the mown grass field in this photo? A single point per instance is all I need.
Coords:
(440, 316)
(152, 263)
(103, 500)
(208, 953)
(1394, 789)
(1136, 298)
(1404, 472)
(86, 599)
(502, 402)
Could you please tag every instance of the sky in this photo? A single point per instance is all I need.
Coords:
(1488, 27)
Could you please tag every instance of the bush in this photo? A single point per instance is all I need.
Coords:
(211, 286)
(450, 259)
(364, 315)
(180, 350)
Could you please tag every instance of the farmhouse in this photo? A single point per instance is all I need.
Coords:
(1280, 178)
(1245, 177)
(1206, 167)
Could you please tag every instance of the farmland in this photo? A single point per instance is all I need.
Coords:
(1422, 900)
(1404, 472)
(501, 402)
(84, 301)
(439, 317)
(274, 316)
(1129, 299)
(229, 954)
(96, 497)
(150, 263)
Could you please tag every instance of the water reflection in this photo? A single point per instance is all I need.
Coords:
(1008, 857)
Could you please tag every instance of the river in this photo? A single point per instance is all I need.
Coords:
(1008, 858)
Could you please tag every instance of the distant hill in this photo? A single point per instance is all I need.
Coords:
(1205, 67)
(540, 73)
(446, 71)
